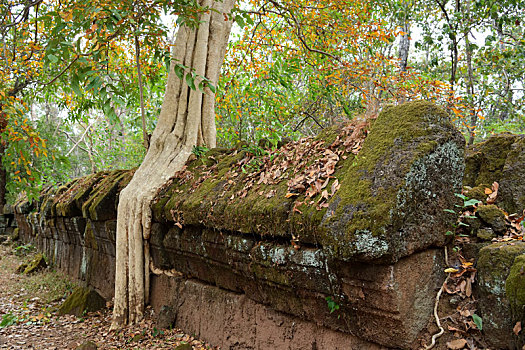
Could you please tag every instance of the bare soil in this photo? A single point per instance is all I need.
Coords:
(28, 317)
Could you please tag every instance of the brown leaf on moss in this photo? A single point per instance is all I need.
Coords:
(492, 196)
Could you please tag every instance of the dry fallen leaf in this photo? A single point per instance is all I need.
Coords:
(468, 288)
(492, 197)
(456, 344)
(517, 328)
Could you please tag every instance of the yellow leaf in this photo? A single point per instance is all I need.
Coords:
(451, 270)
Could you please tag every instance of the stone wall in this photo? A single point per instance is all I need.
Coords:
(75, 226)
(500, 264)
(333, 240)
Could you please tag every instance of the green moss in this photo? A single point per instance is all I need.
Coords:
(82, 300)
(485, 234)
(477, 192)
(515, 286)
(15, 235)
(89, 236)
(69, 201)
(493, 216)
(37, 263)
(101, 203)
(485, 160)
(378, 188)
(494, 263)
(402, 137)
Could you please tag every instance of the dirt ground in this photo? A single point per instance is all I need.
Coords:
(28, 318)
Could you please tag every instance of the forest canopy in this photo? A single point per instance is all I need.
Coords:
(82, 81)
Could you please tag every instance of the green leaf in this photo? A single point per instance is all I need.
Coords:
(179, 71)
(202, 85)
(478, 321)
(8, 320)
(459, 195)
(75, 85)
(332, 305)
(449, 233)
(240, 21)
(52, 58)
(470, 202)
(449, 211)
(190, 80)
(248, 19)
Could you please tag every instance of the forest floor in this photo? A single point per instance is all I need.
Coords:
(29, 319)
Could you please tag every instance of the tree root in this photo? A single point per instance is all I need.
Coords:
(158, 271)
(436, 305)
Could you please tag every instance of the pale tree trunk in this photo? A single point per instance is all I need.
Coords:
(187, 119)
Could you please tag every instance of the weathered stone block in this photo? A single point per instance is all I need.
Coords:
(501, 158)
(82, 300)
(389, 204)
(513, 178)
(494, 265)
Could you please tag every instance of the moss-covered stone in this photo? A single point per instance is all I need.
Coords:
(82, 300)
(37, 263)
(485, 234)
(69, 199)
(492, 216)
(501, 158)
(389, 204)
(512, 182)
(103, 199)
(515, 286)
(477, 192)
(15, 235)
(484, 161)
(494, 264)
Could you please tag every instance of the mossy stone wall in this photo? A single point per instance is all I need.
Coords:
(74, 225)
(389, 204)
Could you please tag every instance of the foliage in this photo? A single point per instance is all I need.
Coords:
(24, 249)
(69, 83)
(332, 305)
(8, 320)
(302, 66)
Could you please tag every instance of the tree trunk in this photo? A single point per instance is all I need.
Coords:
(404, 46)
(3, 178)
(187, 119)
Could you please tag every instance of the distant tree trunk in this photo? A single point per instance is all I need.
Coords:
(404, 46)
(187, 119)
(3, 178)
